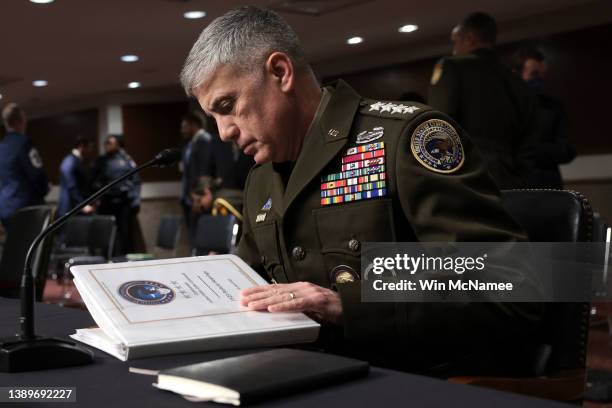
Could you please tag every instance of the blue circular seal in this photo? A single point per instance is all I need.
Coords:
(437, 146)
(146, 292)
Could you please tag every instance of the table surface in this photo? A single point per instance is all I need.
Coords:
(107, 383)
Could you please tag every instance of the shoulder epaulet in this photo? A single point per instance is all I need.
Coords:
(392, 110)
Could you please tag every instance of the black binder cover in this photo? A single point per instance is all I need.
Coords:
(269, 374)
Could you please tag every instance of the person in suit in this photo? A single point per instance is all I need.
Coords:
(123, 200)
(195, 164)
(334, 170)
(550, 142)
(497, 110)
(23, 180)
(229, 168)
(74, 177)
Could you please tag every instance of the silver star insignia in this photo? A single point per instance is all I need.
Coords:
(397, 108)
(387, 107)
(375, 106)
(410, 109)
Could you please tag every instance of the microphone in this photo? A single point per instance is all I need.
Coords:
(28, 352)
(167, 157)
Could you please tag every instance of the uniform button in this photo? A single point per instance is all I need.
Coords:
(298, 253)
(354, 245)
(344, 277)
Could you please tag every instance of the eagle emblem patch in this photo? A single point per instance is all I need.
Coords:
(437, 146)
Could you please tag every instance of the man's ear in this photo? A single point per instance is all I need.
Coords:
(281, 70)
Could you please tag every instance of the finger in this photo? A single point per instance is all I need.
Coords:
(268, 301)
(272, 300)
(291, 305)
(256, 289)
(257, 296)
(262, 288)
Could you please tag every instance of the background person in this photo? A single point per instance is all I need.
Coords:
(23, 181)
(123, 200)
(75, 177)
(486, 99)
(550, 144)
(195, 164)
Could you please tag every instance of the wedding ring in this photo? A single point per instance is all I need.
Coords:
(291, 295)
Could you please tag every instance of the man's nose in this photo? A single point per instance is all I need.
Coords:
(228, 131)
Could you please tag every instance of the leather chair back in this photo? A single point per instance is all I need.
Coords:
(215, 233)
(26, 224)
(168, 232)
(76, 231)
(102, 234)
(557, 216)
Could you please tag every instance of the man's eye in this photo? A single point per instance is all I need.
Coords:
(226, 107)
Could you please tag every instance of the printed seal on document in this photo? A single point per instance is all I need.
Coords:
(146, 292)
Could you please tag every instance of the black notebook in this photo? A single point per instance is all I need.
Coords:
(254, 377)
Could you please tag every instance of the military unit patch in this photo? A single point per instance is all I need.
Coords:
(436, 74)
(35, 158)
(437, 146)
(363, 175)
(393, 108)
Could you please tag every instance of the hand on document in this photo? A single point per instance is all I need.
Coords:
(316, 301)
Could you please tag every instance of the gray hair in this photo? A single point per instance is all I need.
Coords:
(11, 114)
(243, 38)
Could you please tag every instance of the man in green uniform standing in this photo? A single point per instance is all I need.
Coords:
(335, 170)
(474, 88)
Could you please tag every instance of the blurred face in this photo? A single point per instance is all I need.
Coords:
(20, 124)
(188, 129)
(87, 150)
(111, 145)
(533, 69)
(254, 110)
(461, 41)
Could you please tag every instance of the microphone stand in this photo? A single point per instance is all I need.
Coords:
(27, 351)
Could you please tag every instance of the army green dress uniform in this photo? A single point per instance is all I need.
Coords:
(372, 171)
(494, 106)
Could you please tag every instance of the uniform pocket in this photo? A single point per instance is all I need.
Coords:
(268, 244)
(343, 229)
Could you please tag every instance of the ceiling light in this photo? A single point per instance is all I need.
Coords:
(134, 85)
(354, 40)
(41, 1)
(129, 58)
(40, 82)
(408, 28)
(194, 14)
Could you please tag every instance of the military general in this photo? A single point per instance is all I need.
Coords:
(334, 170)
